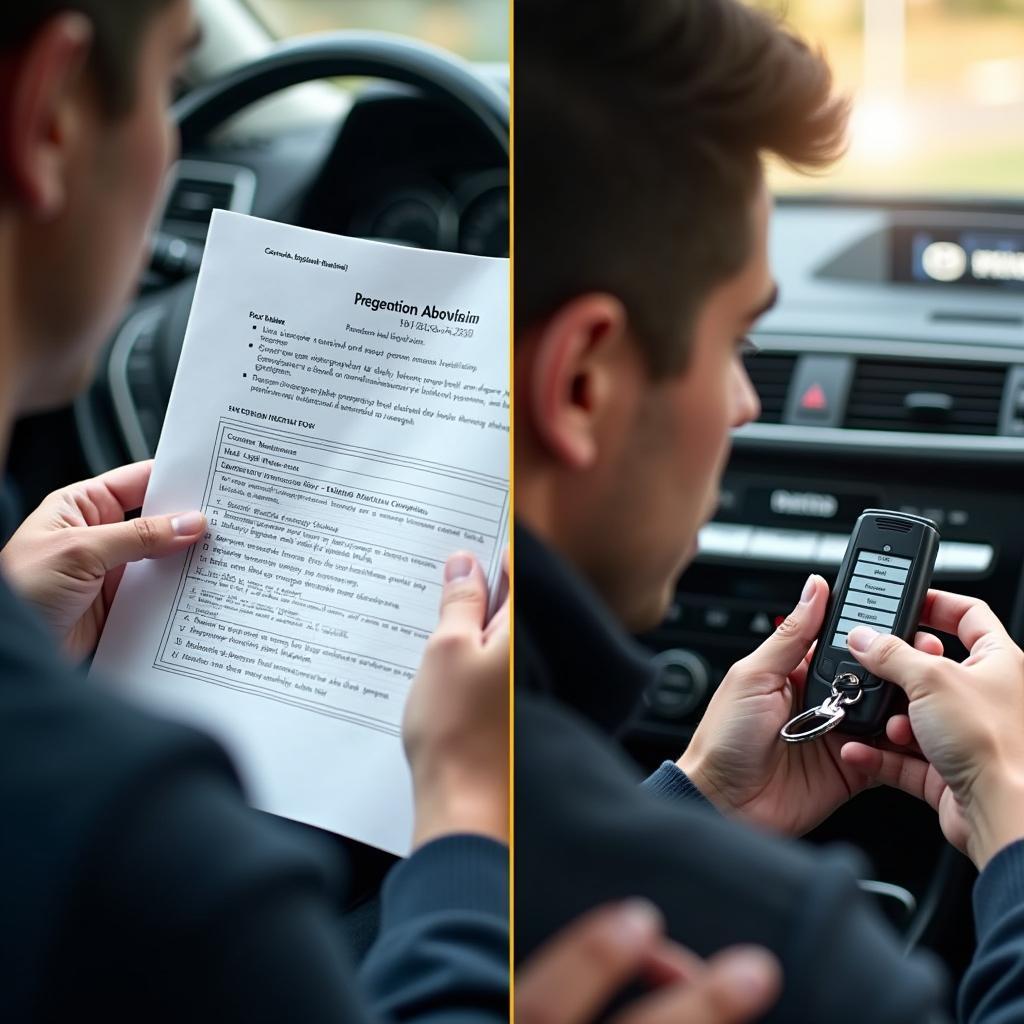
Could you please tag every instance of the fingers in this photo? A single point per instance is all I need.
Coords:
(898, 730)
(929, 643)
(502, 598)
(498, 627)
(114, 544)
(106, 498)
(576, 974)
(892, 659)
(669, 963)
(128, 484)
(901, 771)
(737, 985)
(969, 618)
(463, 597)
(798, 677)
(787, 647)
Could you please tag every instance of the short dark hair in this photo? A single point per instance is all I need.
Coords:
(639, 128)
(118, 26)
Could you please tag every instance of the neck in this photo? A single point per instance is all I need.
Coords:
(545, 505)
(11, 336)
(533, 504)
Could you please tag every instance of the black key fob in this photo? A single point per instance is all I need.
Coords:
(882, 584)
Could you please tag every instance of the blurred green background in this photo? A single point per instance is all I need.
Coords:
(938, 87)
(477, 29)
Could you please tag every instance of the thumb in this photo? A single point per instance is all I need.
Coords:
(783, 651)
(464, 595)
(889, 658)
(114, 544)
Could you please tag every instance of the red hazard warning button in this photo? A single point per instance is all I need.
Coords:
(814, 398)
(818, 389)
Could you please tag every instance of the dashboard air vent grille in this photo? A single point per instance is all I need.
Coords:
(945, 398)
(770, 374)
(194, 200)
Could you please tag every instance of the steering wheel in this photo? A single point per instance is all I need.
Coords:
(120, 416)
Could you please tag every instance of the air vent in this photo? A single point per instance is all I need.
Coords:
(943, 398)
(200, 187)
(770, 374)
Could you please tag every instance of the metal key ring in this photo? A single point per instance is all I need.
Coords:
(832, 712)
(846, 690)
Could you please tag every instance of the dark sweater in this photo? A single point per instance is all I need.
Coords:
(587, 832)
(138, 886)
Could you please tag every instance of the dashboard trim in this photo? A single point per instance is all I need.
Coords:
(840, 440)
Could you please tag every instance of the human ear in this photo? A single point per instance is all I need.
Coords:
(41, 113)
(577, 358)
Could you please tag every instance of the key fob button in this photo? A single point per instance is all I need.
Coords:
(855, 667)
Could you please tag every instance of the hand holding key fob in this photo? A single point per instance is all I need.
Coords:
(882, 584)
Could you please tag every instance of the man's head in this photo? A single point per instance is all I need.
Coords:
(85, 141)
(641, 263)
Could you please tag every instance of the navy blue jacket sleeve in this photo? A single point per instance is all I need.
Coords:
(992, 991)
(443, 950)
(671, 781)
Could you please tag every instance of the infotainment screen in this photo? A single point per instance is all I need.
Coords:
(964, 258)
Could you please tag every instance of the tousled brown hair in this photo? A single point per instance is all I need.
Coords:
(639, 131)
(118, 26)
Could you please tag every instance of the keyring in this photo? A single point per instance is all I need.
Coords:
(846, 691)
(832, 713)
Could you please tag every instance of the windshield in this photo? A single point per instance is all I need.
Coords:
(938, 88)
(475, 29)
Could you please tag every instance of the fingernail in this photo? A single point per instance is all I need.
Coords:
(187, 523)
(458, 567)
(809, 588)
(751, 971)
(861, 639)
(636, 922)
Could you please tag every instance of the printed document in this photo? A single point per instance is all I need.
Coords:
(341, 416)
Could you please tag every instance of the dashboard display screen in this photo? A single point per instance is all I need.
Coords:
(965, 258)
(876, 588)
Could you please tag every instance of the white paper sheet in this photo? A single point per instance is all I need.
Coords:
(341, 415)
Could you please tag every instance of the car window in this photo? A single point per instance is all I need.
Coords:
(476, 29)
(938, 90)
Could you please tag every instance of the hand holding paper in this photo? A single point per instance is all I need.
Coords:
(340, 415)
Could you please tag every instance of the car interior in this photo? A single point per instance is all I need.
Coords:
(891, 374)
(372, 134)
(882, 386)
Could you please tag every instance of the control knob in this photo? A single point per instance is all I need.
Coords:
(682, 683)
